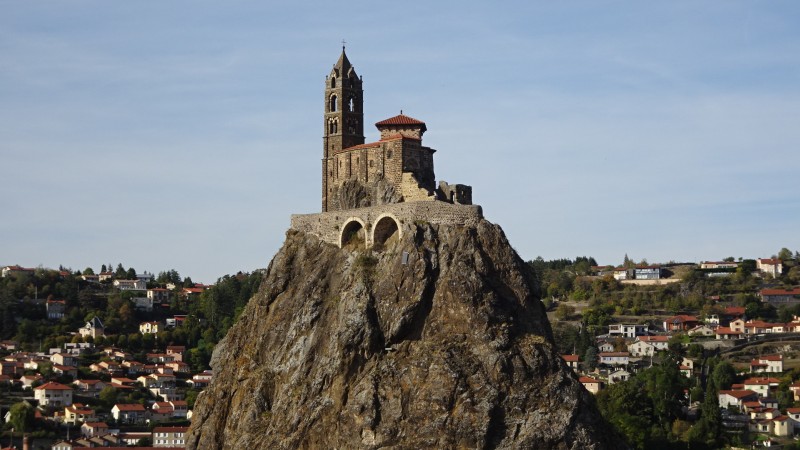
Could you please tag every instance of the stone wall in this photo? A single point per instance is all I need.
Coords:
(329, 225)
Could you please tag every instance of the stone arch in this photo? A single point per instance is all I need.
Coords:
(353, 232)
(333, 103)
(385, 227)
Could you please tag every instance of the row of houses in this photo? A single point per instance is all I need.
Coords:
(98, 434)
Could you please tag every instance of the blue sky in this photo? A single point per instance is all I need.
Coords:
(182, 135)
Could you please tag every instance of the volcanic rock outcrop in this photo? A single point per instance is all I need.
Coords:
(437, 340)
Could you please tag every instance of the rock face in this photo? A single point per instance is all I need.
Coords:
(348, 348)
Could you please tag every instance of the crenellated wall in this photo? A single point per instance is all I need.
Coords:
(328, 226)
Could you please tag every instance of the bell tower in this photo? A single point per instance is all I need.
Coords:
(344, 118)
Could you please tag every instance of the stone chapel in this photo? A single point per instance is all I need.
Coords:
(395, 169)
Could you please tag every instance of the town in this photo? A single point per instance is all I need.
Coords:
(108, 359)
(721, 335)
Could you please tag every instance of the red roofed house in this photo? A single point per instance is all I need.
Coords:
(681, 323)
(572, 361)
(770, 266)
(591, 384)
(53, 394)
(762, 386)
(649, 345)
(129, 413)
(767, 363)
(779, 297)
(90, 429)
(78, 412)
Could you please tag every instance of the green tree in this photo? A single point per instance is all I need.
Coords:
(88, 271)
(723, 375)
(590, 358)
(120, 273)
(708, 428)
(785, 254)
(21, 416)
(108, 396)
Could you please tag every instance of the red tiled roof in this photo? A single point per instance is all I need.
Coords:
(570, 358)
(610, 354)
(129, 407)
(654, 338)
(738, 394)
(587, 380)
(400, 119)
(53, 386)
(795, 291)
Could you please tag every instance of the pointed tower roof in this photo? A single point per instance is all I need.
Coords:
(343, 64)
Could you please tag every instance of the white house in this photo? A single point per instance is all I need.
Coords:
(767, 364)
(53, 394)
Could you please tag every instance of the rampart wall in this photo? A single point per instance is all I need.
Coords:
(328, 226)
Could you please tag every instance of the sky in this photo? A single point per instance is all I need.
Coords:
(183, 134)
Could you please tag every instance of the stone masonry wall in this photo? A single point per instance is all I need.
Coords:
(328, 225)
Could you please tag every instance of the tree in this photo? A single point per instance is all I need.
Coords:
(723, 375)
(785, 254)
(88, 271)
(590, 358)
(103, 269)
(131, 274)
(108, 396)
(120, 273)
(564, 311)
(22, 416)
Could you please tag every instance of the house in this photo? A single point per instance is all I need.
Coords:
(29, 380)
(123, 383)
(680, 323)
(148, 327)
(129, 413)
(8, 345)
(202, 379)
(572, 361)
(770, 266)
(627, 330)
(53, 394)
(605, 346)
(647, 273)
(64, 359)
(55, 309)
(618, 375)
(175, 320)
(93, 328)
(70, 371)
(762, 386)
(702, 330)
(176, 351)
(767, 363)
(78, 412)
(614, 358)
(192, 293)
(735, 398)
(10, 368)
(89, 388)
(169, 436)
(130, 285)
(90, 429)
(649, 345)
(105, 276)
(158, 295)
(180, 408)
(15, 271)
(160, 411)
(592, 385)
(780, 297)
(621, 273)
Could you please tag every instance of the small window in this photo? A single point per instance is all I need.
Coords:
(389, 154)
(333, 82)
(332, 106)
(350, 104)
(371, 163)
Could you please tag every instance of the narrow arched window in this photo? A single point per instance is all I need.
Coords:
(350, 104)
(333, 82)
(333, 103)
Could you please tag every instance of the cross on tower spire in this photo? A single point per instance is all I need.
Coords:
(343, 44)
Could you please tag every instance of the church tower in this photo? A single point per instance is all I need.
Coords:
(344, 118)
